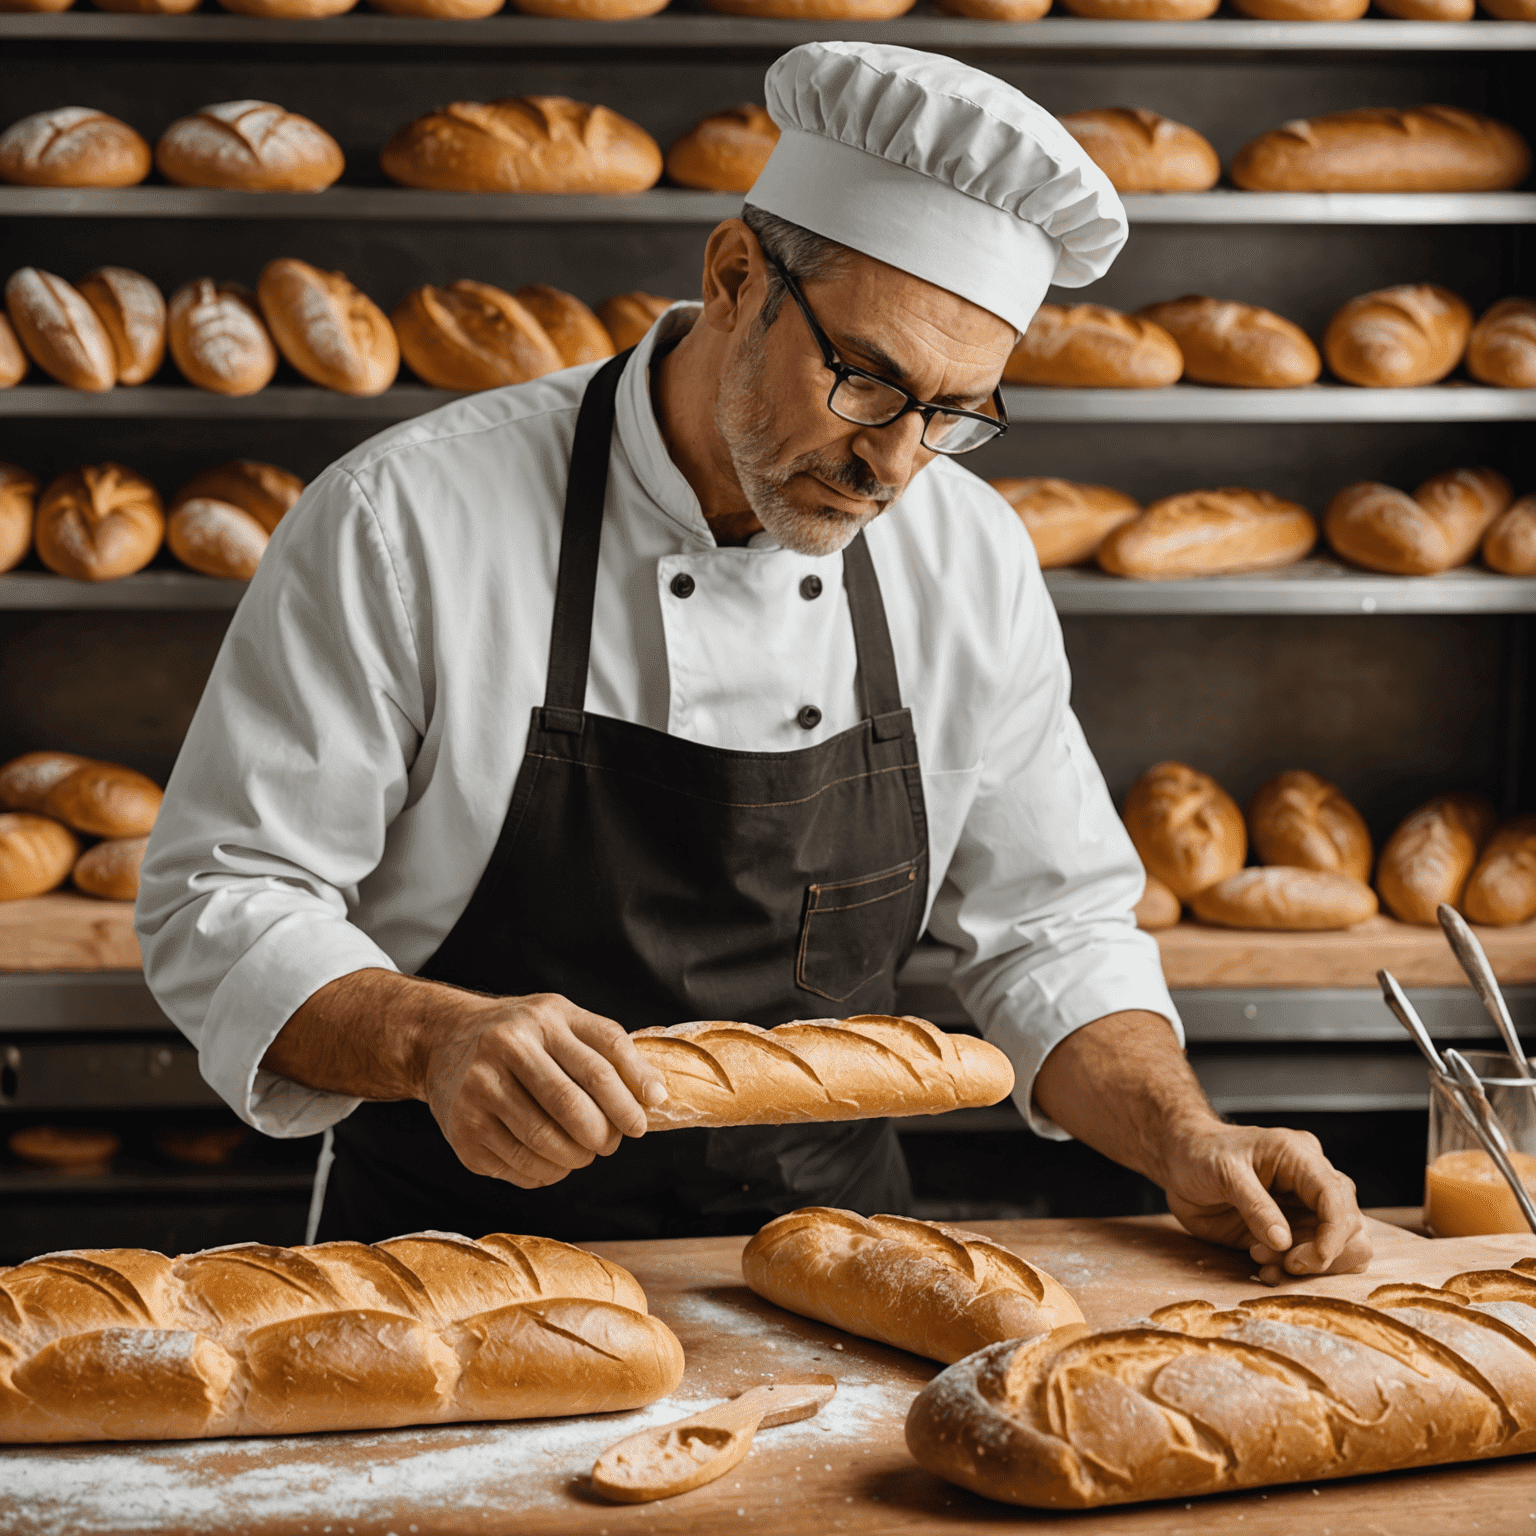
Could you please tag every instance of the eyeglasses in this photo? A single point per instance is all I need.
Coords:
(867, 400)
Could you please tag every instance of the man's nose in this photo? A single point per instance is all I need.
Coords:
(892, 451)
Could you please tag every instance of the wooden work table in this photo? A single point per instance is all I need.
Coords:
(846, 1471)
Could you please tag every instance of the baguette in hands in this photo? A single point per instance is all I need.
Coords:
(126, 1344)
(718, 1073)
(916, 1285)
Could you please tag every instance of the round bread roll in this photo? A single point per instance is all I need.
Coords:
(590, 10)
(1186, 827)
(97, 523)
(1240, 345)
(1431, 855)
(1158, 908)
(218, 339)
(203, 1149)
(1427, 10)
(251, 146)
(1398, 338)
(1502, 348)
(18, 507)
(472, 336)
(577, 333)
(132, 312)
(27, 781)
(72, 147)
(1509, 546)
(264, 491)
(105, 800)
(628, 316)
(36, 854)
(60, 330)
(216, 538)
(1302, 10)
(1435, 529)
(332, 332)
(1142, 152)
(13, 356)
(74, 1147)
(1383, 149)
(523, 144)
(724, 152)
(1210, 533)
(1086, 346)
(111, 869)
(289, 10)
(1143, 10)
(1502, 888)
(1301, 820)
(1293, 900)
(1067, 521)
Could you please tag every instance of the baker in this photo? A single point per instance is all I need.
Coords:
(697, 684)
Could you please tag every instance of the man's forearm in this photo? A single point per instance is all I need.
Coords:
(1122, 1085)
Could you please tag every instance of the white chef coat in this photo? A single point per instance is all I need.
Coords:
(346, 774)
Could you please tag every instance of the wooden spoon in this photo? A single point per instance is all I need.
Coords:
(672, 1458)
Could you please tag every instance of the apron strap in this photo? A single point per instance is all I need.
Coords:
(879, 686)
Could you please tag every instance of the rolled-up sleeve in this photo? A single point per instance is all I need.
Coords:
(296, 762)
(1037, 901)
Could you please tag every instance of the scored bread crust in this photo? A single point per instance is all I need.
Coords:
(1299, 819)
(432, 1328)
(99, 522)
(1502, 888)
(579, 336)
(1430, 856)
(724, 152)
(1186, 828)
(1287, 899)
(1440, 526)
(874, 1064)
(60, 331)
(917, 1285)
(216, 538)
(1088, 346)
(628, 316)
(472, 335)
(1141, 151)
(18, 510)
(25, 781)
(111, 869)
(105, 800)
(1066, 520)
(218, 339)
(1398, 338)
(253, 146)
(1502, 348)
(329, 329)
(73, 147)
(265, 491)
(132, 312)
(13, 356)
(1210, 533)
(1240, 345)
(1279, 1389)
(1509, 546)
(36, 854)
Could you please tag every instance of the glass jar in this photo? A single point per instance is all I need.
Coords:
(1465, 1195)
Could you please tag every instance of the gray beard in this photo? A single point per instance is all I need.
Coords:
(745, 423)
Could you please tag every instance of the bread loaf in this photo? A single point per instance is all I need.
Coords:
(814, 10)
(1431, 855)
(1186, 827)
(218, 338)
(1383, 149)
(220, 520)
(148, 7)
(72, 147)
(1502, 348)
(1210, 533)
(1158, 908)
(1302, 10)
(1300, 819)
(591, 10)
(333, 333)
(1088, 346)
(289, 10)
(995, 10)
(1511, 10)
(99, 522)
(523, 144)
(264, 491)
(1067, 521)
(13, 356)
(36, 854)
(447, 10)
(125, 1344)
(724, 152)
(1281, 1388)
(1427, 10)
(1142, 152)
(48, 6)
(60, 330)
(915, 1285)
(1224, 342)
(76, 1147)
(1502, 887)
(105, 800)
(25, 781)
(628, 316)
(1509, 546)
(202, 1149)
(1397, 338)
(251, 146)
(1143, 10)
(1288, 899)
(18, 507)
(719, 1073)
(577, 333)
(1438, 527)
(132, 313)
(111, 869)
(472, 336)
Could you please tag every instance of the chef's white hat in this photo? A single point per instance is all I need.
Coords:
(938, 169)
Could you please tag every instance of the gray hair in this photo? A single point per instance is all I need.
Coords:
(806, 255)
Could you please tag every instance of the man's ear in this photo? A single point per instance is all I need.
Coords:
(735, 277)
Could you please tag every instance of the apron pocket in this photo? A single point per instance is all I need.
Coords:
(855, 930)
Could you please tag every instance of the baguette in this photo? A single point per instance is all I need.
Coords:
(13, 356)
(249, 146)
(60, 331)
(1502, 888)
(1398, 338)
(1431, 855)
(720, 1073)
(1210, 533)
(915, 1285)
(1142, 152)
(25, 781)
(125, 1344)
(579, 336)
(1241, 345)
(1280, 1389)
(18, 508)
(72, 147)
(1502, 348)
(218, 338)
(1509, 546)
(472, 336)
(1066, 521)
(724, 152)
(36, 855)
(99, 522)
(628, 316)
(111, 869)
(1087, 346)
(1440, 526)
(132, 312)
(331, 331)
(1287, 899)
(1186, 827)
(1158, 907)
(1301, 820)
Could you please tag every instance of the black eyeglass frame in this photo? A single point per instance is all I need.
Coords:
(841, 372)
